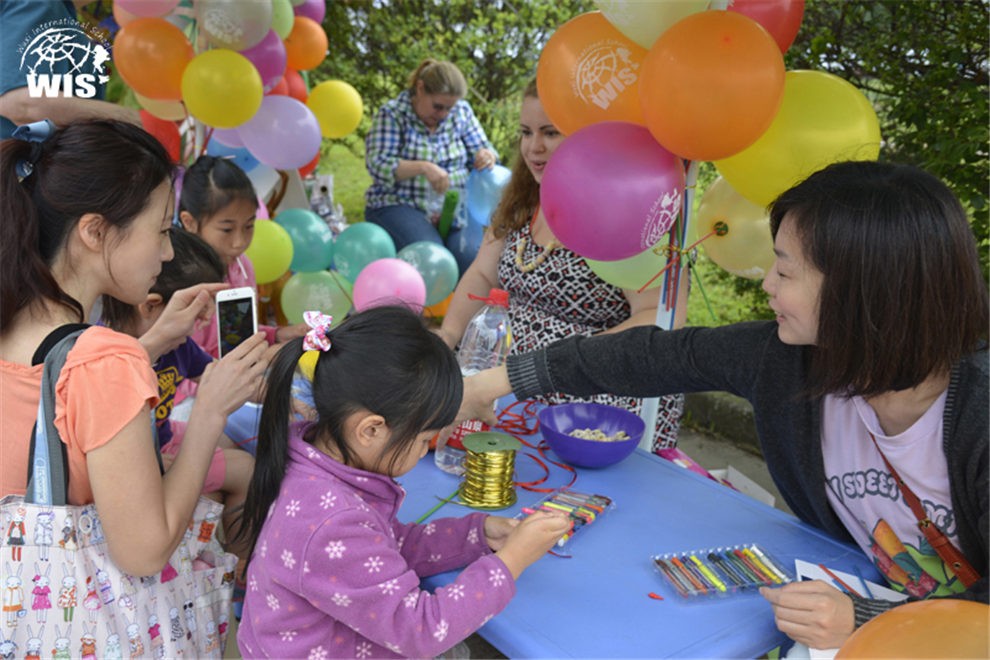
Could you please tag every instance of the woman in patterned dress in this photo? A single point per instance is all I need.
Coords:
(552, 291)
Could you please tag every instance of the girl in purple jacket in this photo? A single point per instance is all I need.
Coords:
(333, 573)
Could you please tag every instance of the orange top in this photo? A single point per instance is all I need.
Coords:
(107, 380)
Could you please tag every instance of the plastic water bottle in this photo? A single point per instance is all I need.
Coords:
(485, 344)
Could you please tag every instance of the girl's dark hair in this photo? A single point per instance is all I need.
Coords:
(194, 262)
(104, 167)
(212, 183)
(902, 296)
(522, 193)
(383, 360)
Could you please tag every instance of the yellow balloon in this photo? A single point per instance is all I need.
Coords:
(170, 110)
(221, 88)
(645, 20)
(337, 107)
(745, 246)
(270, 251)
(823, 119)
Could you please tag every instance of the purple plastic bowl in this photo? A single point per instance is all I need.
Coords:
(556, 422)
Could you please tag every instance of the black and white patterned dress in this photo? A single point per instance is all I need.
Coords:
(563, 297)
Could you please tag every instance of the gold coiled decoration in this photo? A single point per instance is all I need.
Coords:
(489, 470)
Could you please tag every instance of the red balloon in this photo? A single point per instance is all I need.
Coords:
(297, 86)
(165, 131)
(781, 18)
(281, 87)
(309, 167)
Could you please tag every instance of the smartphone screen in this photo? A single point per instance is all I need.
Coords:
(236, 321)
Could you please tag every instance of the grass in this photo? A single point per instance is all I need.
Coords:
(725, 302)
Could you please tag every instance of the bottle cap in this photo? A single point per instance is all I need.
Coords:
(498, 297)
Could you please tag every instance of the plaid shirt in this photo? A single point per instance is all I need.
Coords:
(397, 133)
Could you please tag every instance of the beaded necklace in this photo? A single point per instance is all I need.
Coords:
(540, 258)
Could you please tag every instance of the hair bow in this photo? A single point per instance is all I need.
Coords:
(35, 132)
(316, 339)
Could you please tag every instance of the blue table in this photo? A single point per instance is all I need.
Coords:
(595, 604)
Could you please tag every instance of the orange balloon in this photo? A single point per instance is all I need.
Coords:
(306, 46)
(439, 310)
(590, 72)
(936, 628)
(151, 54)
(711, 85)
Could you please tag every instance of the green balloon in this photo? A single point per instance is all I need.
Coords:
(282, 18)
(634, 272)
(359, 245)
(437, 266)
(320, 291)
(312, 240)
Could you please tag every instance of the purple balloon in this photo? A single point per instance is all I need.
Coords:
(389, 282)
(283, 134)
(269, 58)
(315, 9)
(228, 137)
(611, 191)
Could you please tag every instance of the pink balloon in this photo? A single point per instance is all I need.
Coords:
(268, 57)
(389, 282)
(314, 9)
(283, 134)
(262, 213)
(153, 8)
(611, 191)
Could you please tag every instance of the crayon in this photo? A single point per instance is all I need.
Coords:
(842, 585)
(699, 584)
(741, 566)
(707, 572)
(752, 567)
(862, 582)
(763, 568)
(682, 587)
(727, 569)
(770, 563)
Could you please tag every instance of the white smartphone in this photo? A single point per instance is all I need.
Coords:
(237, 317)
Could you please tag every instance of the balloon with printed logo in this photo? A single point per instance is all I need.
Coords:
(312, 9)
(270, 251)
(324, 291)
(358, 245)
(741, 242)
(282, 17)
(823, 119)
(312, 240)
(781, 18)
(337, 107)
(151, 56)
(645, 20)
(610, 191)
(711, 85)
(153, 8)
(389, 282)
(268, 57)
(589, 72)
(283, 134)
(221, 88)
(171, 110)
(234, 24)
(165, 131)
(306, 46)
(436, 265)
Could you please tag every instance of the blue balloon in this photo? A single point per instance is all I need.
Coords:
(484, 190)
(239, 155)
(312, 240)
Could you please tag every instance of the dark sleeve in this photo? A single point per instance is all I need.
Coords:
(196, 359)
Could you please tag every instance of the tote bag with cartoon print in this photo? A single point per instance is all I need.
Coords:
(62, 595)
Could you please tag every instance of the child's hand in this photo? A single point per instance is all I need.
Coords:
(289, 332)
(497, 530)
(230, 382)
(814, 613)
(531, 538)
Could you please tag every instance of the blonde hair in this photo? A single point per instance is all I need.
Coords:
(439, 78)
(521, 196)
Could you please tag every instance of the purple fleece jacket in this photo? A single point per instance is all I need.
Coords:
(335, 575)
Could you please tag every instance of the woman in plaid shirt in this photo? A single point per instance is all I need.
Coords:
(422, 144)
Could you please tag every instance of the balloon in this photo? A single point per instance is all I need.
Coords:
(645, 20)
(935, 628)
(234, 24)
(360, 244)
(122, 16)
(314, 9)
(337, 107)
(484, 190)
(746, 247)
(389, 282)
(240, 156)
(306, 46)
(436, 265)
(297, 86)
(165, 131)
(312, 240)
(310, 167)
(151, 56)
(781, 18)
(324, 291)
(634, 272)
(610, 191)
(282, 18)
(171, 110)
(465, 243)
(711, 85)
(146, 7)
(270, 251)
(438, 310)
(228, 137)
(283, 134)
(221, 88)
(823, 119)
(281, 87)
(589, 72)
(268, 57)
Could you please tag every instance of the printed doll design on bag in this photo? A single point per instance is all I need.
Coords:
(111, 646)
(60, 646)
(41, 593)
(13, 594)
(44, 533)
(15, 533)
